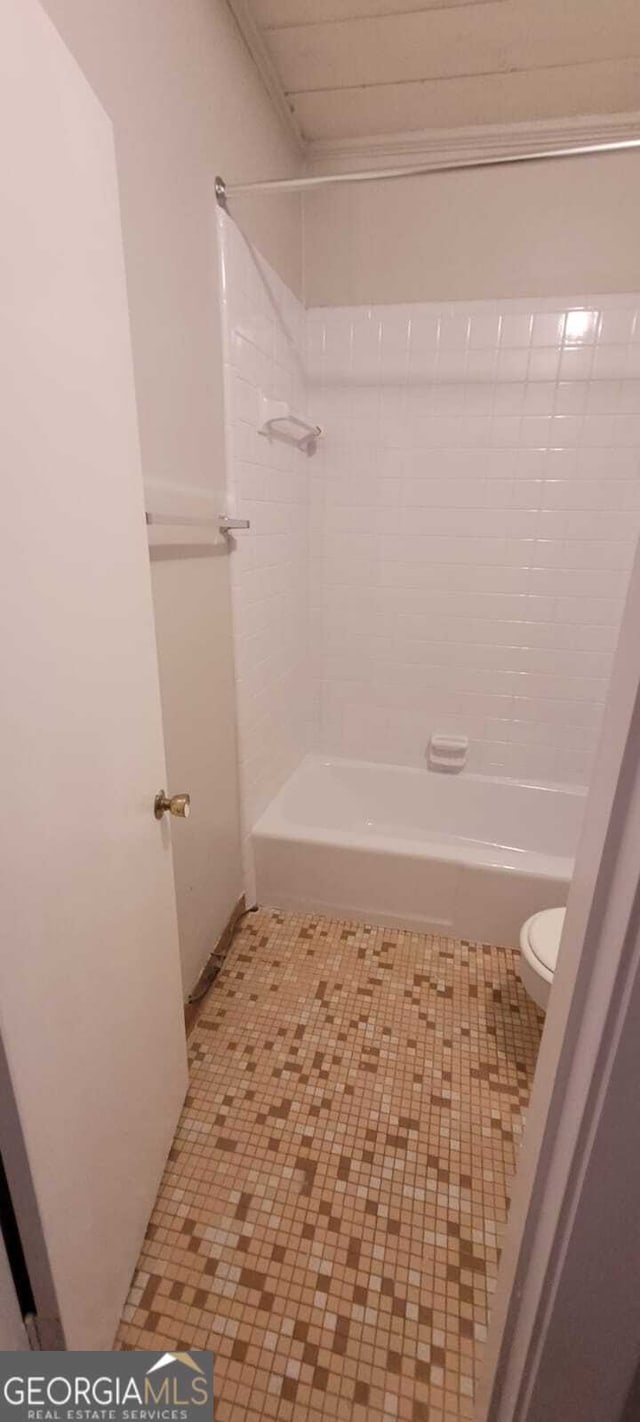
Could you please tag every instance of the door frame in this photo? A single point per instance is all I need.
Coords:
(571, 1201)
(13, 1333)
(45, 1329)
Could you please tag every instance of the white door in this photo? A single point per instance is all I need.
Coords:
(90, 996)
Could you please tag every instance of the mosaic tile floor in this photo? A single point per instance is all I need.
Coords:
(329, 1221)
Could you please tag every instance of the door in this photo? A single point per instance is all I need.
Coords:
(90, 995)
(564, 1337)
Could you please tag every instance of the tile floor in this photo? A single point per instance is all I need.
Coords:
(330, 1218)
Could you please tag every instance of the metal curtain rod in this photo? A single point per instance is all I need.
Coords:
(418, 170)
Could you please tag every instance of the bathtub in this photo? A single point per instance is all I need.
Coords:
(466, 855)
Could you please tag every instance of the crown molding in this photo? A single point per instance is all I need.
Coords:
(476, 141)
(261, 57)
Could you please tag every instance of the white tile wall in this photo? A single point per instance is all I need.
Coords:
(475, 511)
(267, 482)
(456, 555)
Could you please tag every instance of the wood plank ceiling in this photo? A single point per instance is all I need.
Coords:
(364, 68)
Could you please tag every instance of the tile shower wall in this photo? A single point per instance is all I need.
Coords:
(268, 483)
(475, 510)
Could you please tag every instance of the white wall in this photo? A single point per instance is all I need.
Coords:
(476, 510)
(542, 230)
(263, 324)
(474, 507)
(186, 103)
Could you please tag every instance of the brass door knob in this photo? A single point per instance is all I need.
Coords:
(179, 805)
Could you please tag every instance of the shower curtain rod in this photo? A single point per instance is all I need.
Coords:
(418, 170)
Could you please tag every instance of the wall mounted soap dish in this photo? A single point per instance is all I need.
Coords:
(279, 421)
(447, 752)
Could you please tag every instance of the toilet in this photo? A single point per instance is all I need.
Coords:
(539, 944)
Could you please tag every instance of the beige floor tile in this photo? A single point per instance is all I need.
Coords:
(330, 1218)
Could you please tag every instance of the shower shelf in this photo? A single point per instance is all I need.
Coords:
(279, 421)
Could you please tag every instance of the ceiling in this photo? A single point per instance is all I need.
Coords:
(358, 69)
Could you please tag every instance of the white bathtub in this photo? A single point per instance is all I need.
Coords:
(466, 854)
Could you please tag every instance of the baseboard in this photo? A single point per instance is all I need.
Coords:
(198, 995)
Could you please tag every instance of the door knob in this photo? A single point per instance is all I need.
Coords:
(179, 805)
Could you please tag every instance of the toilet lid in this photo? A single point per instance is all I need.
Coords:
(545, 930)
